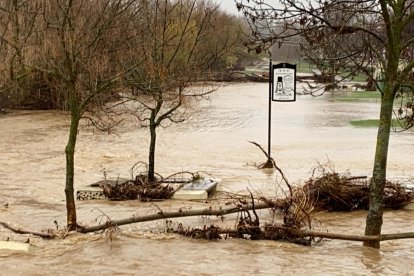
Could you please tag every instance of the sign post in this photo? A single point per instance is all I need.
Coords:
(268, 163)
(282, 88)
(284, 82)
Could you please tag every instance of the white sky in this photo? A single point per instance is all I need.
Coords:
(227, 5)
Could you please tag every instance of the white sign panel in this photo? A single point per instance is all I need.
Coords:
(284, 82)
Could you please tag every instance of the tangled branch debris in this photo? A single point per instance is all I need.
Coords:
(295, 215)
(326, 189)
(329, 190)
(140, 188)
(344, 192)
(143, 189)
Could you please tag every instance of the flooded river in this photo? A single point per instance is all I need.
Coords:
(215, 140)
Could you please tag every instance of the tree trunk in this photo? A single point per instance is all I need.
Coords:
(293, 232)
(374, 218)
(70, 169)
(177, 214)
(151, 159)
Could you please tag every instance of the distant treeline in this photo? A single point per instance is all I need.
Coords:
(40, 39)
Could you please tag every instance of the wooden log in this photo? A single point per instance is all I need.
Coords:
(23, 231)
(296, 233)
(326, 235)
(180, 213)
(220, 212)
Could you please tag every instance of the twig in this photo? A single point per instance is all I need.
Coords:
(23, 231)
(261, 148)
(257, 222)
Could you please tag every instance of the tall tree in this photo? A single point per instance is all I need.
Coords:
(173, 40)
(379, 27)
(78, 47)
(82, 38)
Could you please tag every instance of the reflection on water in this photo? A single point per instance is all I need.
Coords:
(214, 140)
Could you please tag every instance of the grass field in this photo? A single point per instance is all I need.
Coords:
(375, 123)
(362, 96)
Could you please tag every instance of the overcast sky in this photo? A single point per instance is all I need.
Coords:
(227, 5)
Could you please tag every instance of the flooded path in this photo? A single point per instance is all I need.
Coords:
(214, 139)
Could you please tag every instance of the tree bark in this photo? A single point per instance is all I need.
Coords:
(375, 213)
(180, 213)
(151, 157)
(70, 169)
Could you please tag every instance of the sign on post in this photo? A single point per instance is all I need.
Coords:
(284, 82)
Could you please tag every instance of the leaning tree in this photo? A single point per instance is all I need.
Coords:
(365, 34)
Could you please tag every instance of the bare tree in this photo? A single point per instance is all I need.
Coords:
(367, 32)
(172, 36)
(75, 43)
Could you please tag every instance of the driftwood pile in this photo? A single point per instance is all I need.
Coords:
(140, 188)
(295, 210)
(291, 216)
(336, 192)
(295, 216)
(329, 191)
(275, 232)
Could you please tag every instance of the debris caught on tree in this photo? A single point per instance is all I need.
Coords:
(143, 189)
(344, 192)
(140, 189)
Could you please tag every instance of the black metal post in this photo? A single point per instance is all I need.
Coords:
(270, 109)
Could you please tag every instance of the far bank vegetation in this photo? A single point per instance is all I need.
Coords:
(31, 38)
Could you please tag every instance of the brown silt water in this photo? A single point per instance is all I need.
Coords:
(215, 139)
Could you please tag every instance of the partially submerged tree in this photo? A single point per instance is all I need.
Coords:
(76, 53)
(175, 40)
(366, 32)
(83, 39)
(75, 46)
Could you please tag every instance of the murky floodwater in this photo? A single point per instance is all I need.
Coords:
(214, 140)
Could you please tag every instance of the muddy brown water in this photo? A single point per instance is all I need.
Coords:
(214, 139)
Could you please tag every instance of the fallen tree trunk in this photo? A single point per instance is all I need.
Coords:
(220, 212)
(180, 213)
(23, 231)
(281, 232)
(292, 232)
(382, 237)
